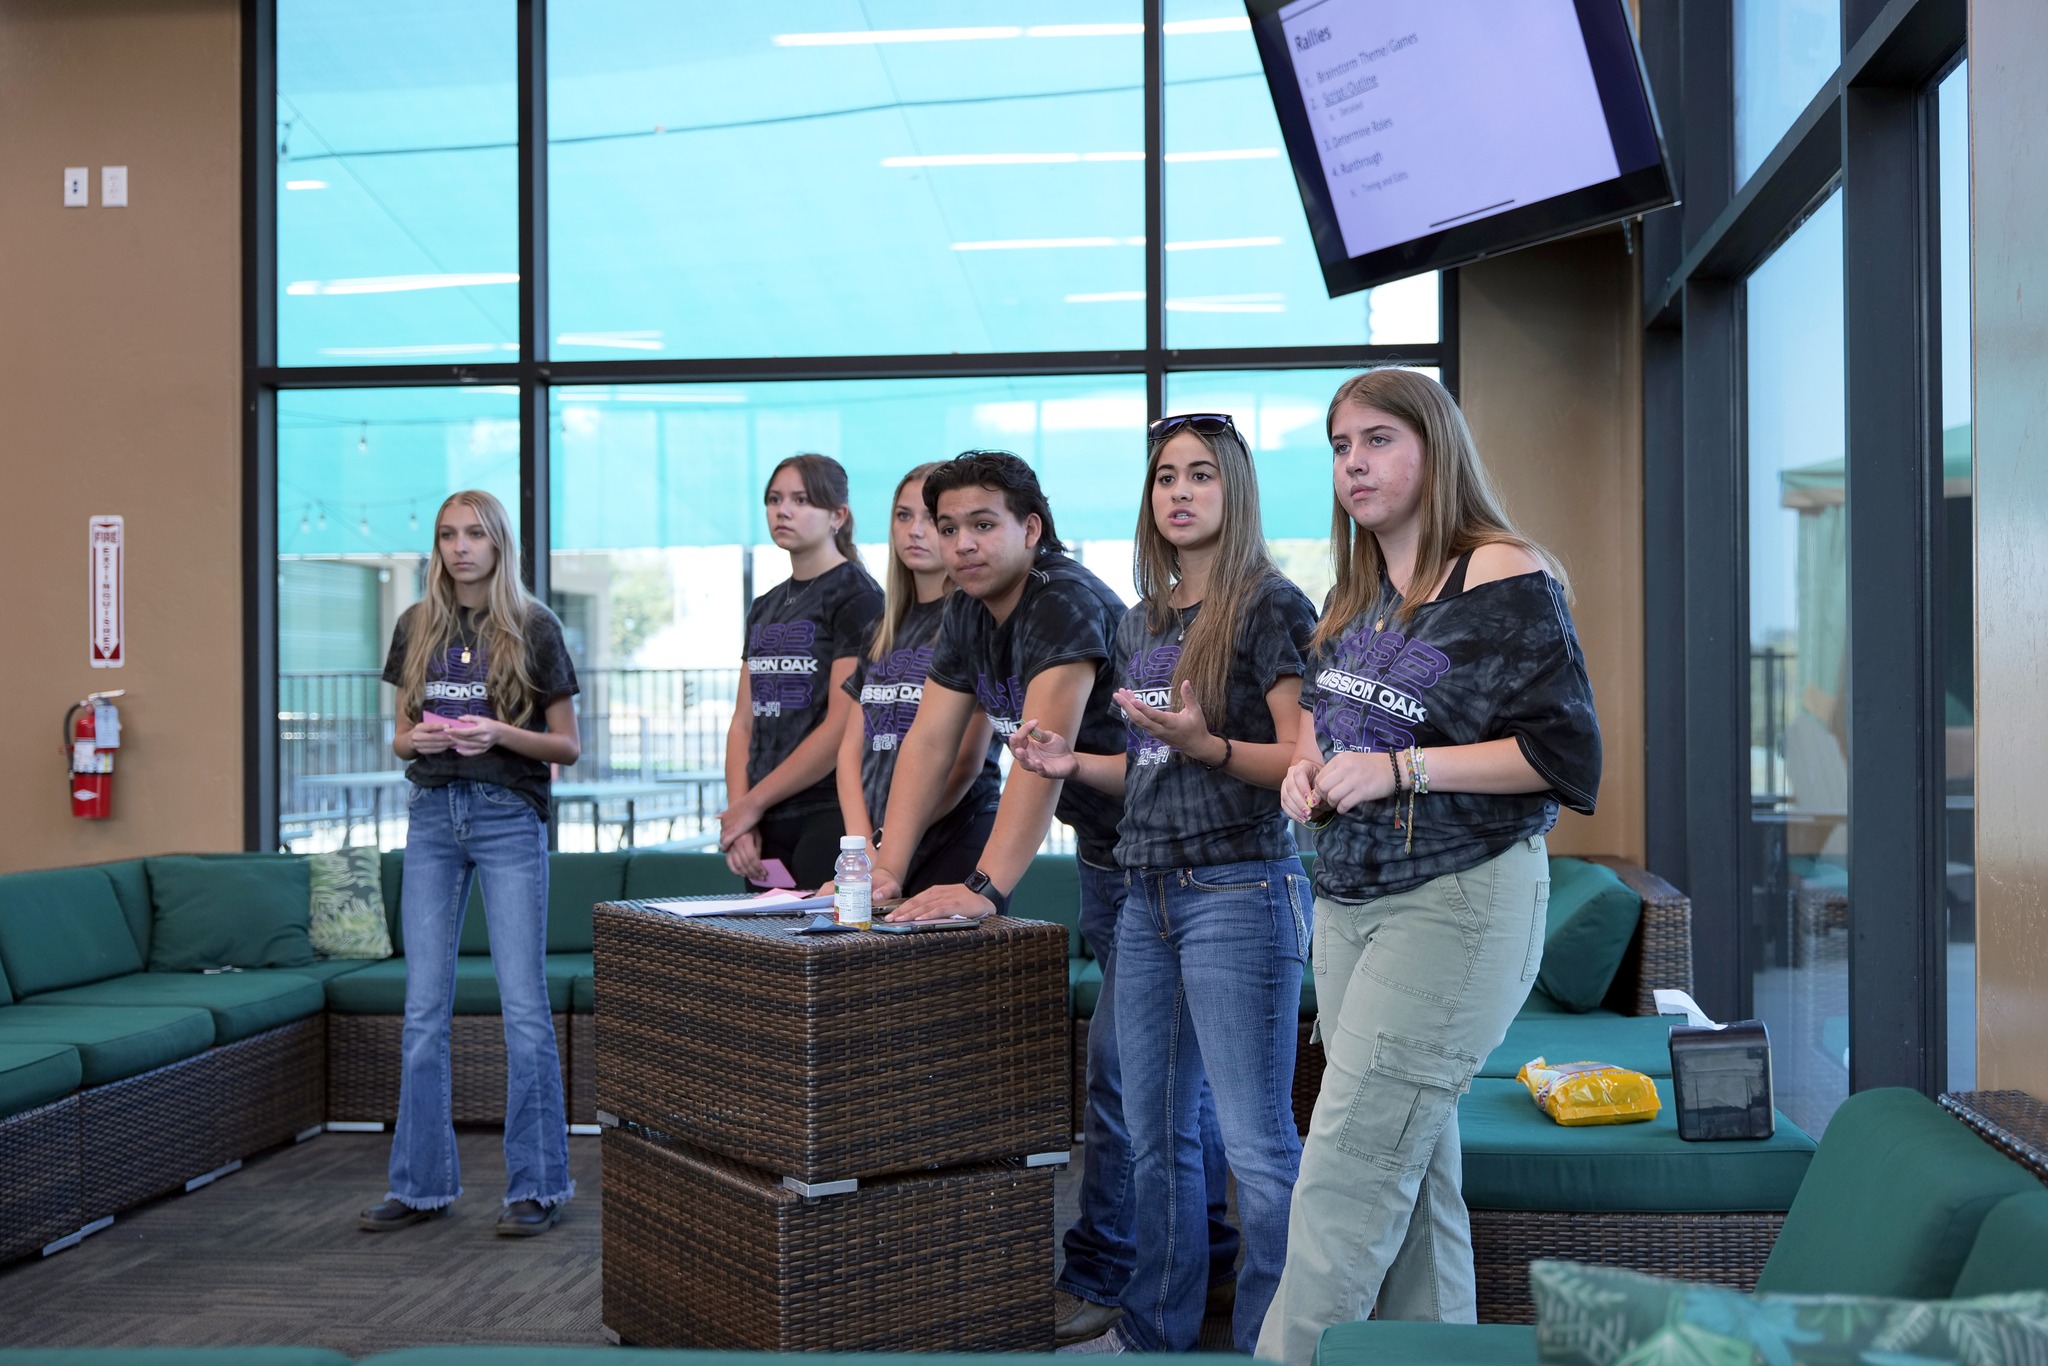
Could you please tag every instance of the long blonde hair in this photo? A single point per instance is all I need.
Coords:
(899, 584)
(1460, 510)
(510, 682)
(1237, 577)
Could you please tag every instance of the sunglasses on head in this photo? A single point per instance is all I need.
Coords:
(1204, 424)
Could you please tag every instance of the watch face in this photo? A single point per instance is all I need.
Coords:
(979, 883)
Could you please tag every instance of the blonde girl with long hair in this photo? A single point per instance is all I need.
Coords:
(1452, 717)
(485, 706)
(1211, 938)
(781, 825)
(888, 684)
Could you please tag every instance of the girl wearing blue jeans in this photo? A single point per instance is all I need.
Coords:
(484, 707)
(1452, 718)
(1215, 923)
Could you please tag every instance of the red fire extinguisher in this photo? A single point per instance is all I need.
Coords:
(92, 732)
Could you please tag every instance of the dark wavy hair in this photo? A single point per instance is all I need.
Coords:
(1006, 474)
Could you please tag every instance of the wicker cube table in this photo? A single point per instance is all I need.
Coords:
(829, 1141)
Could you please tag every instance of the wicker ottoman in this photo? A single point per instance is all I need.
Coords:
(701, 1251)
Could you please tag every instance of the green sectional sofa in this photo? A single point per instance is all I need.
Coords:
(1901, 1201)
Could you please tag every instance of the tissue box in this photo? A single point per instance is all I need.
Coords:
(1722, 1081)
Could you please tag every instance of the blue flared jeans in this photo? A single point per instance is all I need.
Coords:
(1209, 967)
(462, 830)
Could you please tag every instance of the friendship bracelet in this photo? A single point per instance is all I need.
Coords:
(1394, 762)
(1224, 762)
(1418, 772)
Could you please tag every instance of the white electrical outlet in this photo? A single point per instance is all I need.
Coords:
(113, 187)
(77, 186)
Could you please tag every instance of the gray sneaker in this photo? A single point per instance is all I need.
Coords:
(1077, 1320)
(1110, 1343)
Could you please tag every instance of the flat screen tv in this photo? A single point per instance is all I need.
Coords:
(1430, 133)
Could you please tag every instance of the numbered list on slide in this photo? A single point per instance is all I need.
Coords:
(1432, 113)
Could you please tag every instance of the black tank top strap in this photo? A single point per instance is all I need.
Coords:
(1455, 584)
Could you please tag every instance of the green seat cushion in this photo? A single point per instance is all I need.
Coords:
(131, 888)
(228, 910)
(1084, 986)
(2011, 1251)
(33, 1074)
(379, 989)
(1893, 1203)
(565, 970)
(1377, 1342)
(327, 969)
(242, 1003)
(1516, 1157)
(62, 928)
(1641, 1043)
(1590, 920)
(171, 1356)
(576, 883)
(583, 995)
(112, 1043)
(1051, 890)
(658, 874)
(345, 913)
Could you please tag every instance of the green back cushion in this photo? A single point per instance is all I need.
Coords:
(1600, 1315)
(346, 908)
(62, 928)
(1591, 919)
(1051, 890)
(392, 875)
(238, 910)
(577, 882)
(131, 888)
(2011, 1251)
(1892, 1202)
(660, 874)
(6, 989)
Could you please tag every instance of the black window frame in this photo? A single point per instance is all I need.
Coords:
(534, 374)
(1868, 132)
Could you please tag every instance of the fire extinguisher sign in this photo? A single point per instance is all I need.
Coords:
(109, 610)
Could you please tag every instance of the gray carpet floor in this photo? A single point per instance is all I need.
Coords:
(271, 1254)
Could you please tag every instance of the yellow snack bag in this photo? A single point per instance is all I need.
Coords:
(1574, 1093)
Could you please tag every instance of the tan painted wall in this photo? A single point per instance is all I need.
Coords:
(2008, 204)
(120, 360)
(1550, 362)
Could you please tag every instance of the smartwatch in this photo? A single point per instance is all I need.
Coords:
(982, 885)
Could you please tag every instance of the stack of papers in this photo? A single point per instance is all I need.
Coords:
(778, 902)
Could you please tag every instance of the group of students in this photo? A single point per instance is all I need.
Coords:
(1427, 724)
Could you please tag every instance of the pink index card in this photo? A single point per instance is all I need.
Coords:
(774, 874)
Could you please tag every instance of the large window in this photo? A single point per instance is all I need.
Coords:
(1958, 690)
(1785, 50)
(750, 232)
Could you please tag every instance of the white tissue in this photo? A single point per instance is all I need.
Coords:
(1671, 1001)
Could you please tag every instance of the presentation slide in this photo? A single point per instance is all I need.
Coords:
(1428, 114)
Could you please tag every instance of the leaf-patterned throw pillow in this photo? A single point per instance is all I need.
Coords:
(347, 911)
(1602, 1316)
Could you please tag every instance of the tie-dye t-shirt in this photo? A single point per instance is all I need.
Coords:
(1066, 615)
(456, 687)
(889, 691)
(1498, 660)
(1177, 813)
(795, 631)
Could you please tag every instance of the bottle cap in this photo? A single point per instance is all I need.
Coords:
(853, 842)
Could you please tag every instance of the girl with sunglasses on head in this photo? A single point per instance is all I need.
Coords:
(484, 708)
(888, 682)
(1452, 718)
(803, 636)
(1212, 935)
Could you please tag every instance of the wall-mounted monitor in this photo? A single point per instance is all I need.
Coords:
(1429, 133)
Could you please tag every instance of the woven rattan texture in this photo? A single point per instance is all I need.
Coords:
(363, 1066)
(831, 1056)
(1725, 1249)
(1661, 954)
(2012, 1121)
(40, 1198)
(150, 1133)
(273, 1085)
(582, 1069)
(703, 1252)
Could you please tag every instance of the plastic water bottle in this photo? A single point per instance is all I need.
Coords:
(853, 883)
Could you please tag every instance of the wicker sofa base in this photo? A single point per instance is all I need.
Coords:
(1725, 1249)
(150, 1133)
(582, 1069)
(40, 1188)
(363, 1066)
(273, 1086)
(700, 1251)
